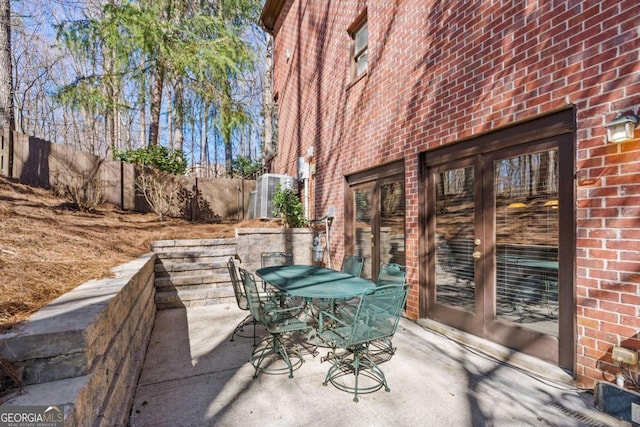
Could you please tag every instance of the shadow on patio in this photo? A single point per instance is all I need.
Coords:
(194, 376)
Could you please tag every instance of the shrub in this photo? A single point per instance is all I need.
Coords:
(156, 180)
(160, 189)
(85, 194)
(288, 206)
(156, 156)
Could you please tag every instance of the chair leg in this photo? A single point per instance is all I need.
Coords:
(240, 328)
(356, 367)
(260, 353)
(377, 372)
(334, 366)
(272, 345)
(360, 365)
(283, 353)
(255, 322)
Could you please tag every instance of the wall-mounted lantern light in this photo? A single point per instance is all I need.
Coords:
(622, 128)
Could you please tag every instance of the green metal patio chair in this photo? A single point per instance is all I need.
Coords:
(392, 274)
(350, 356)
(280, 324)
(243, 304)
(352, 264)
(268, 259)
(271, 301)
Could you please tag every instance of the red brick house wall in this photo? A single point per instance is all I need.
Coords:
(442, 72)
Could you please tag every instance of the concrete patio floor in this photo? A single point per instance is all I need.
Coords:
(194, 376)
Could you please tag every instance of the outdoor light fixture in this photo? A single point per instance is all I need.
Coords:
(622, 128)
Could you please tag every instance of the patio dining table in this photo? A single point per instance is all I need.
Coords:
(538, 263)
(310, 281)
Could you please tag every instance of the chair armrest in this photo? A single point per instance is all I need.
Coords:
(283, 310)
(266, 295)
(333, 318)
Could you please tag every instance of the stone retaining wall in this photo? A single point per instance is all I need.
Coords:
(85, 350)
(251, 242)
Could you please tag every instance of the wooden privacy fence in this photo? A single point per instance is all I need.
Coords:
(55, 166)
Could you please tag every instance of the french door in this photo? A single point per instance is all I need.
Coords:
(375, 209)
(500, 241)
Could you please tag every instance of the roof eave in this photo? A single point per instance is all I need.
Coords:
(270, 13)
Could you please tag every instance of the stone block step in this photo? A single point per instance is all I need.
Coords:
(205, 257)
(185, 277)
(193, 272)
(169, 266)
(188, 244)
(193, 297)
(170, 287)
(199, 254)
(206, 280)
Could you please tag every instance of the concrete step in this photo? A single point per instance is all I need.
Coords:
(196, 251)
(192, 279)
(192, 272)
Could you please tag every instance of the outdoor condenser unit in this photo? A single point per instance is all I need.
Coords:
(265, 191)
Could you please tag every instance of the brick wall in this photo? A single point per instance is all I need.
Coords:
(442, 72)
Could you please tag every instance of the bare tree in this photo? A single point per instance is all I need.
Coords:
(116, 104)
(6, 70)
(268, 102)
(6, 79)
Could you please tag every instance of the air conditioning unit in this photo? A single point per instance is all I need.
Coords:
(265, 190)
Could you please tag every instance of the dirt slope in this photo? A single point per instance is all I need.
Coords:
(47, 249)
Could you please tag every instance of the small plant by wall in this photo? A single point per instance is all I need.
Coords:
(287, 205)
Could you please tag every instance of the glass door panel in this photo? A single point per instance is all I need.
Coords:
(526, 236)
(392, 222)
(363, 227)
(378, 222)
(454, 239)
(498, 264)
